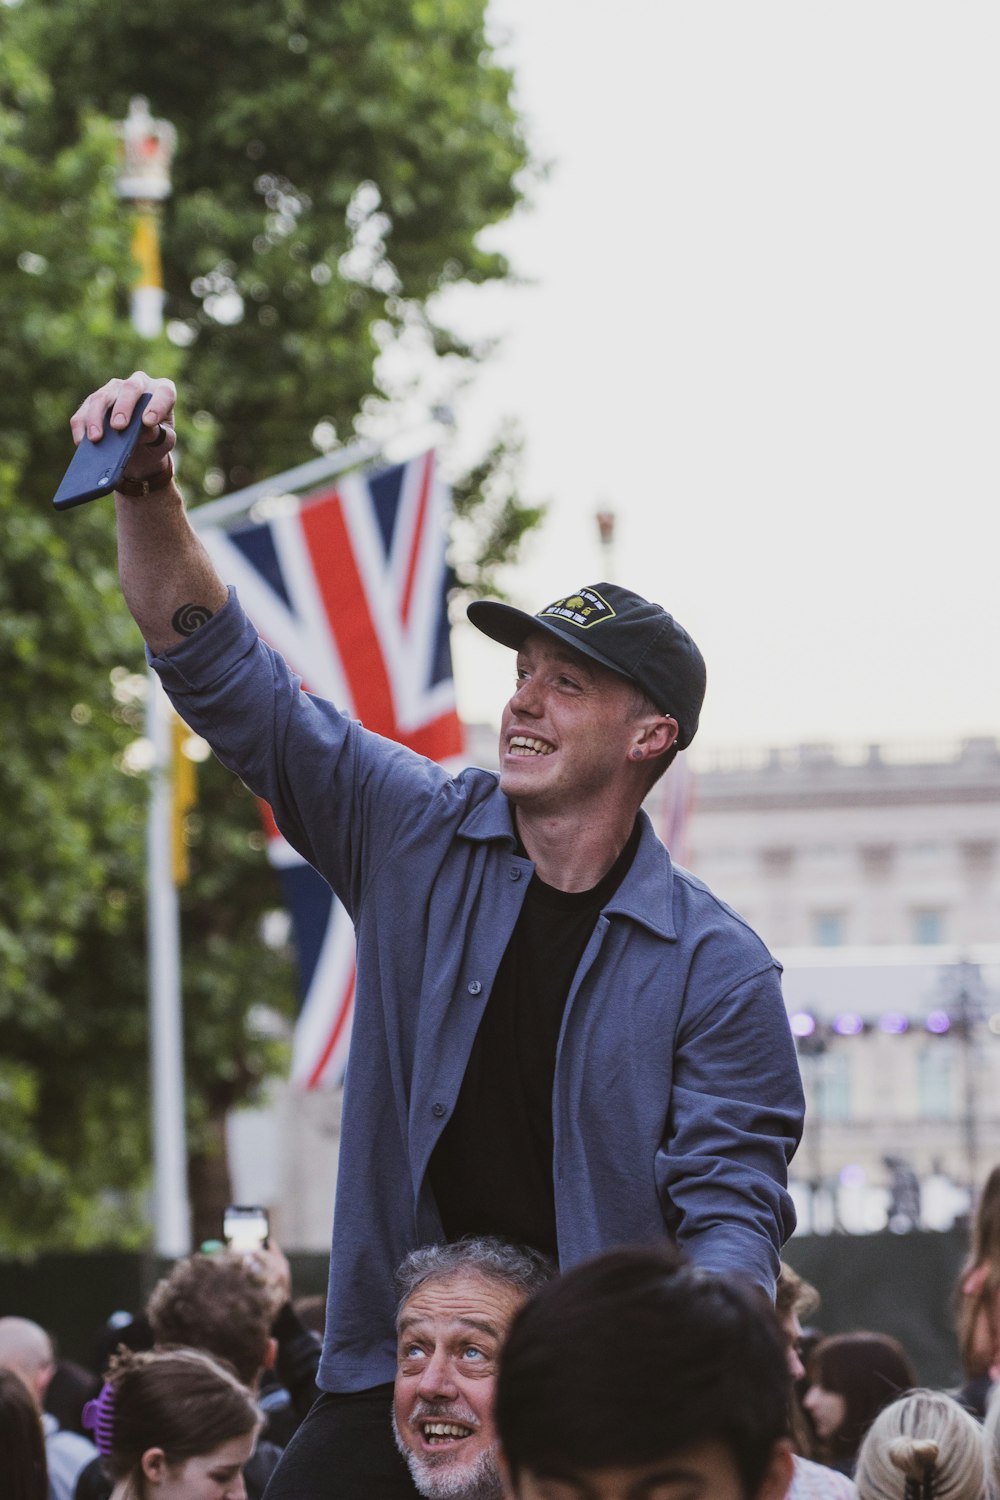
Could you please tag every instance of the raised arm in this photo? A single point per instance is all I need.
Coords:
(167, 577)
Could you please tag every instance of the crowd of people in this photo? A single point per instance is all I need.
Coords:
(635, 1375)
(563, 1044)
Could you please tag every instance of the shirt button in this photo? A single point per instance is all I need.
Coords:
(475, 987)
(437, 1110)
(514, 872)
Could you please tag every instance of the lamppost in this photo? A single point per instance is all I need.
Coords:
(967, 1010)
(144, 181)
(605, 519)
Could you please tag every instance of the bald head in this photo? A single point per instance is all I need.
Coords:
(26, 1348)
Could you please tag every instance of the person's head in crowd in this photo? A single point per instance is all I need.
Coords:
(311, 1312)
(26, 1348)
(223, 1303)
(991, 1432)
(174, 1424)
(986, 1223)
(852, 1376)
(636, 1375)
(121, 1330)
(976, 1293)
(923, 1445)
(69, 1390)
(795, 1299)
(22, 1442)
(455, 1305)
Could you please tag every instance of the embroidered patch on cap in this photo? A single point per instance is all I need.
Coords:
(584, 609)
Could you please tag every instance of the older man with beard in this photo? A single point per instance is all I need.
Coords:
(456, 1304)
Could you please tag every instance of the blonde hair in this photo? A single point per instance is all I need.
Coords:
(924, 1445)
(991, 1432)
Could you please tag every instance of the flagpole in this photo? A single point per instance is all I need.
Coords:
(311, 472)
(171, 1205)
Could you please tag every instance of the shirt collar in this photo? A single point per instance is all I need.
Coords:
(646, 894)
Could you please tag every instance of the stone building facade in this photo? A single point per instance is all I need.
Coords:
(874, 875)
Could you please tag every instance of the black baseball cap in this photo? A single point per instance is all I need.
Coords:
(622, 631)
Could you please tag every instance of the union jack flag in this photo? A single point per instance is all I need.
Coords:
(351, 590)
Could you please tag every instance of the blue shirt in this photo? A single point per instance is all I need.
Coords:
(677, 1102)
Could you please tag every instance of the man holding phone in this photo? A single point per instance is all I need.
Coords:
(559, 1037)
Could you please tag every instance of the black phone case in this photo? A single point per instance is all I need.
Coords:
(96, 468)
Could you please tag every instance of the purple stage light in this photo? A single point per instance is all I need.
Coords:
(938, 1022)
(848, 1024)
(893, 1022)
(802, 1023)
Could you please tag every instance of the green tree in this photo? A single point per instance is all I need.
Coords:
(70, 930)
(335, 168)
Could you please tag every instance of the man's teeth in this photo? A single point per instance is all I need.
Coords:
(520, 744)
(442, 1431)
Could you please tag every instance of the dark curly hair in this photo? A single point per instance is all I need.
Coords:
(215, 1303)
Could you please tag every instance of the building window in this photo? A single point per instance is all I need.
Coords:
(876, 860)
(828, 929)
(833, 1087)
(928, 927)
(935, 1083)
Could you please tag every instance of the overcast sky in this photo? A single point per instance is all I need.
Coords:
(763, 326)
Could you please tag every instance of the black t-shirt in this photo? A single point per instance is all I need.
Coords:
(491, 1171)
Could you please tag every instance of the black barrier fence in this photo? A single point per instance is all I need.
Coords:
(897, 1284)
(901, 1284)
(74, 1295)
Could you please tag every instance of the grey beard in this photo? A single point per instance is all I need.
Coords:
(479, 1480)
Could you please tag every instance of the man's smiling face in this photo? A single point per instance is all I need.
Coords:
(450, 1332)
(566, 730)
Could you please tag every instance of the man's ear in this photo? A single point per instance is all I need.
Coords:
(154, 1465)
(655, 737)
(777, 1478)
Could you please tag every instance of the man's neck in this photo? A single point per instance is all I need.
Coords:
(569, 855)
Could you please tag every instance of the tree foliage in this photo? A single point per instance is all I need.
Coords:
(335, 167)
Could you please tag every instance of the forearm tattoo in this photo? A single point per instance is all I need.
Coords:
(189, 617)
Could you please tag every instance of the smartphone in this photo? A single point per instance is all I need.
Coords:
(96, 468)
(245, 1227)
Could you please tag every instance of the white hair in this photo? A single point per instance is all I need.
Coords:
(924, 1444)
(991, 1432)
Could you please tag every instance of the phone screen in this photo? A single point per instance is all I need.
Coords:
(245, 1227)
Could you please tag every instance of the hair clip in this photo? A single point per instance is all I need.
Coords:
(98, 1417)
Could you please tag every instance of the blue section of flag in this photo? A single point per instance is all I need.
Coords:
(308, 898)
(385, 488)
(257, 545)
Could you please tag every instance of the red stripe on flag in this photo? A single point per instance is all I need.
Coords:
(439, 740)
(316, 1075)
(345, 601)
(418, 535)
(271, 829)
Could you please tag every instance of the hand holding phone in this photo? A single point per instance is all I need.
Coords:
(96, 468)
(245, 1227)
